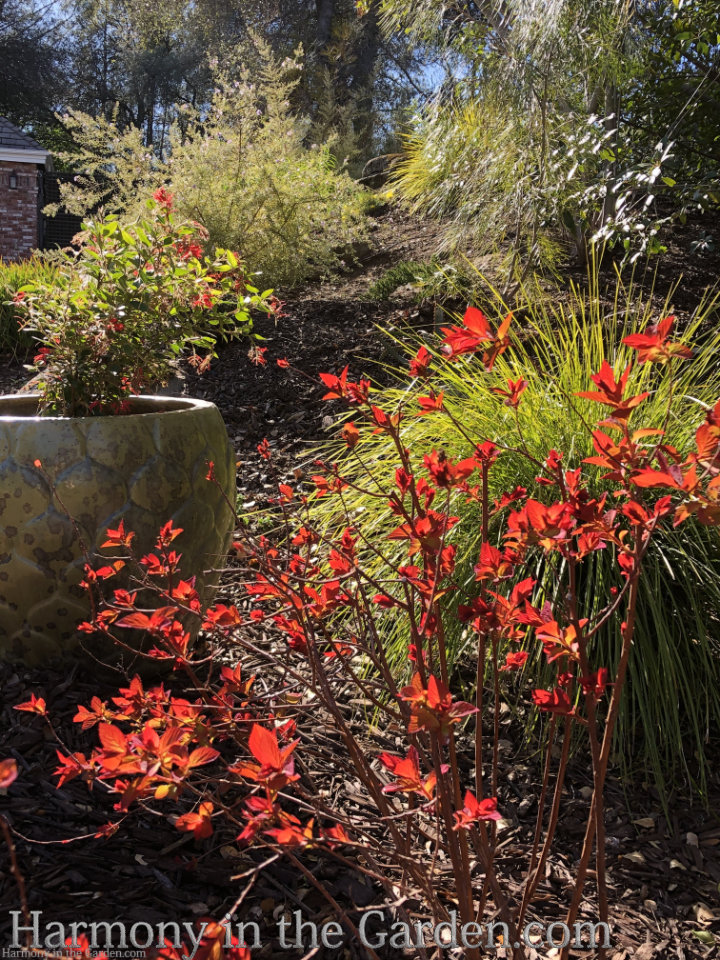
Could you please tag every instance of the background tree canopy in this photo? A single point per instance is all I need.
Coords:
(568, 121)
(141, 63)
(538, 128)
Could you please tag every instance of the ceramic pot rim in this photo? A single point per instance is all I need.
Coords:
(152, 405)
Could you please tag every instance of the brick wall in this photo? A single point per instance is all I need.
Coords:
(18, 211)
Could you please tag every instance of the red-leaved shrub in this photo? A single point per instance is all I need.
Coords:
(430, 823)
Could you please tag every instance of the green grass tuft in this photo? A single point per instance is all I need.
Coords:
(672, 704)
(12, 277)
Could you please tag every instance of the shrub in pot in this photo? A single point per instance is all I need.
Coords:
(90, 451)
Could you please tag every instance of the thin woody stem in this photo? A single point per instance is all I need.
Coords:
(19, 879)
(456, 850)
(613, 711)
(598, 795)
(480, 671)
(531, 887)
(541, 810)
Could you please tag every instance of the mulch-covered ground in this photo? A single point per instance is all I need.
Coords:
(664, 868)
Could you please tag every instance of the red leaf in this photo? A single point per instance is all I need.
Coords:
(201, 756)
(118, 537)
(420, 363)
(474, 809)
(476, 321)
(428, 404)
(8, 773)
(553, 701)
(33, 705)
(654, 478)
(88, 718)
(653, 346)
(199, 824)
(264, 746)
(112, 739)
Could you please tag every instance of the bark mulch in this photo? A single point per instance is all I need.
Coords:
(663, 869)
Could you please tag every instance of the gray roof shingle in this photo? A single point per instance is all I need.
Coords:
(13, 139)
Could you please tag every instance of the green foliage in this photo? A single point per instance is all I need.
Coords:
(436, 280)
(13, 276)
(117, 312)
(412, 272)
(147, 62)
(334, 125)
(32, 74)
(242, 170)
(138, 61)
(472, 165)
(680, 105)
(569, 125)
(113, 168)
(247, 176)
(673, 700)
(525, 153)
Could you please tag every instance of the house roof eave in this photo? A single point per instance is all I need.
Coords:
(9, 155)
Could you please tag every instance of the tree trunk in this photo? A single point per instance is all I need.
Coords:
(325, 10)
(362, 75)
(611, 123)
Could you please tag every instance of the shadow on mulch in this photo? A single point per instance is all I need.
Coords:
(146, 872)
(663, 872)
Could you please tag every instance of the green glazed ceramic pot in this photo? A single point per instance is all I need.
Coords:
(144, 468)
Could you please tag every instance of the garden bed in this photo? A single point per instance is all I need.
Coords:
(663, 867)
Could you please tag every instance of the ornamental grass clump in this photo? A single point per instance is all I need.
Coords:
(13, 277)
(422, 806)
(672, 704)
(114, 315)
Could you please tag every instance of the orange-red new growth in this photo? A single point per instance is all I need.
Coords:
(432, 707)
(340, 388)
(559, 641)
(612, 392)
(653, 346)
(420, 364)
(222, 616)
(474, 810)
(33, 705)
(167, 534)
(88, 718)
(494, 565)
(553, 701)
(199, 824)
(444, 472)
(8, 773)
(350, 434)
(118, 537)
(427, 532)
(514, 392)
(431, 403)
(473, 334)
(70, 767)
(275, 767)
(406, 770)
(515, 661)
